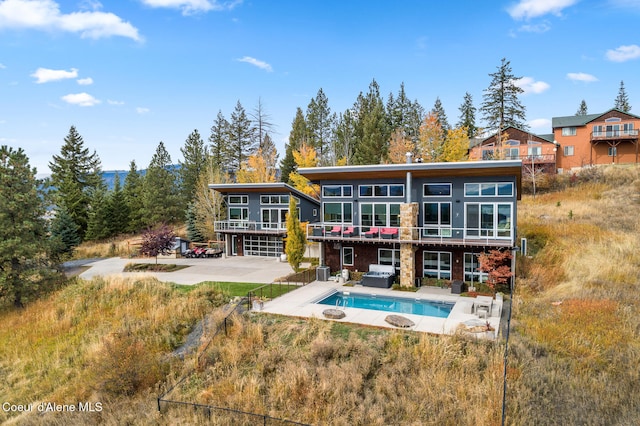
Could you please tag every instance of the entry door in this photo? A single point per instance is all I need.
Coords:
(234, 245)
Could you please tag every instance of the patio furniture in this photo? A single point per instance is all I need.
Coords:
(482, 306)
(372, 233)
(335, 231)
(380, 276)
(349, 232)
(389, 233)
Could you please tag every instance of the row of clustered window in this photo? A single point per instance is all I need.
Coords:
(489, 189)
(387, 190)
(264, 199)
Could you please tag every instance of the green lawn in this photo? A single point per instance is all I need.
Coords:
(241, 289)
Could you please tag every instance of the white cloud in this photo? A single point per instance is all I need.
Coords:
(80, 99)
(529, 85)
(540, 28)
(85, 81)
(112, 102)
(45, 15)
(540, 125)
(624, 53)
(581, 76)
(141, 110)
(256, 62)
(526, 9)
(189, 7)
(45, 75)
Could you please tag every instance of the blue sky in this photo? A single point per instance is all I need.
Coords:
(131, 73)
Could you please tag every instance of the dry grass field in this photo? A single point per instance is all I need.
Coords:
(573, 358)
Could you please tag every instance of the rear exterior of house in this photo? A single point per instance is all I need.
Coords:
(427, 220)
(594, 139)
(256, 217)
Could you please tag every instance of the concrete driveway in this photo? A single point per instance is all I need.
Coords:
(231, 269)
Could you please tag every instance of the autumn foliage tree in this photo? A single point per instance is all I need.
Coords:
(260, 167)
(456, 145)
(157, 241)
(431, 139)
(296, 239)
(305, 156)
(399, 145)
(495, 264)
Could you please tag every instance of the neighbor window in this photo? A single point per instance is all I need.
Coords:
(568, 151)
(613, 151)
(569, 131)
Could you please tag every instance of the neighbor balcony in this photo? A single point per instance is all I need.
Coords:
(499, 236)
(617, 135)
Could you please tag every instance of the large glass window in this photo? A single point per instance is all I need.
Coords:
(347, 256)
(380, 214)
(488, 220)
(238, 213)
(598, 130)
(329, 191)
(500, 189)
(394, 190)
(436, 264)
(274, 218)
(337, 212)
(471, 272)
(436, 190)
(389, 257)
(437, 219)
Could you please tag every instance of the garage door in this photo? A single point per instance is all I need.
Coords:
(259, 245)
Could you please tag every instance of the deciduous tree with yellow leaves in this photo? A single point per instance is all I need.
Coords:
(305, 156)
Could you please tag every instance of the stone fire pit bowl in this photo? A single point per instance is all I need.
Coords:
(333, 313)
(399, 321)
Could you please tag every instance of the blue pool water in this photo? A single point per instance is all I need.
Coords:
(402, 305)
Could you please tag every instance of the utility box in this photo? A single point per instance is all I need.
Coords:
(457, 287)
(323, 273)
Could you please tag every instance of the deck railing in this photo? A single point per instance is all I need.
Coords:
(501, 235)
(246, 225)
(615, 134)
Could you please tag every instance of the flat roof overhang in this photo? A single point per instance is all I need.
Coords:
(265, 188)
(490, 168)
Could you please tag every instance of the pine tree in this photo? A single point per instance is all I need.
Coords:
(501, 107)
(319, 125)
(75, 174)
(260, 120)
(371, 129)
(297, 137)
(344, 139)
(405, 114)
(582, 110)
(160, 198)
(195, 154)
(119, 209)
(133, 191)
(63, 233)
(468, 116)
(441, 116)
(193, 232)
(22, 228)
(622, 100)
(296, 239)
(100, 215)
(219, 141)
(241, 141)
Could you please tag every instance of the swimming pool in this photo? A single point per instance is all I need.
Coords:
(402, 305)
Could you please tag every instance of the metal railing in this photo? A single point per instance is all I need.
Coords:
(615, 134)
(247, 225)
(501, 235)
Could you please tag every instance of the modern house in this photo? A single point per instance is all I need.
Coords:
(535, 151)
(593, 139)
(424, 219)
(257, 214)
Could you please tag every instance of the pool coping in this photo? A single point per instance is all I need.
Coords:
(301, 303)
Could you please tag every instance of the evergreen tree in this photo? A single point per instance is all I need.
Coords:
(195, 154)
(441, 116)
(371, 129)
(296, 241)
(241, 140)
(75, 174)
(501, 107)
(220, 143)
(119, 209)
(100, 215)
(133, 190)
(405, 114)
(622, 100)
(160, 198)
(344, 139)
(297, 137)
(63, 233)
(193, 232)
(22, 228)
(468, 116)
(582, 110)
(319, 125)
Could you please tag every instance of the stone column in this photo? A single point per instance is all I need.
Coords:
(408, 233)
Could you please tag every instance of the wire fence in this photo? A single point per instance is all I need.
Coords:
(225, 415)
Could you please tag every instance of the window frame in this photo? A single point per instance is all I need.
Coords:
(441, 273)
(441, 229)
(344, 256)
(443, 184)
